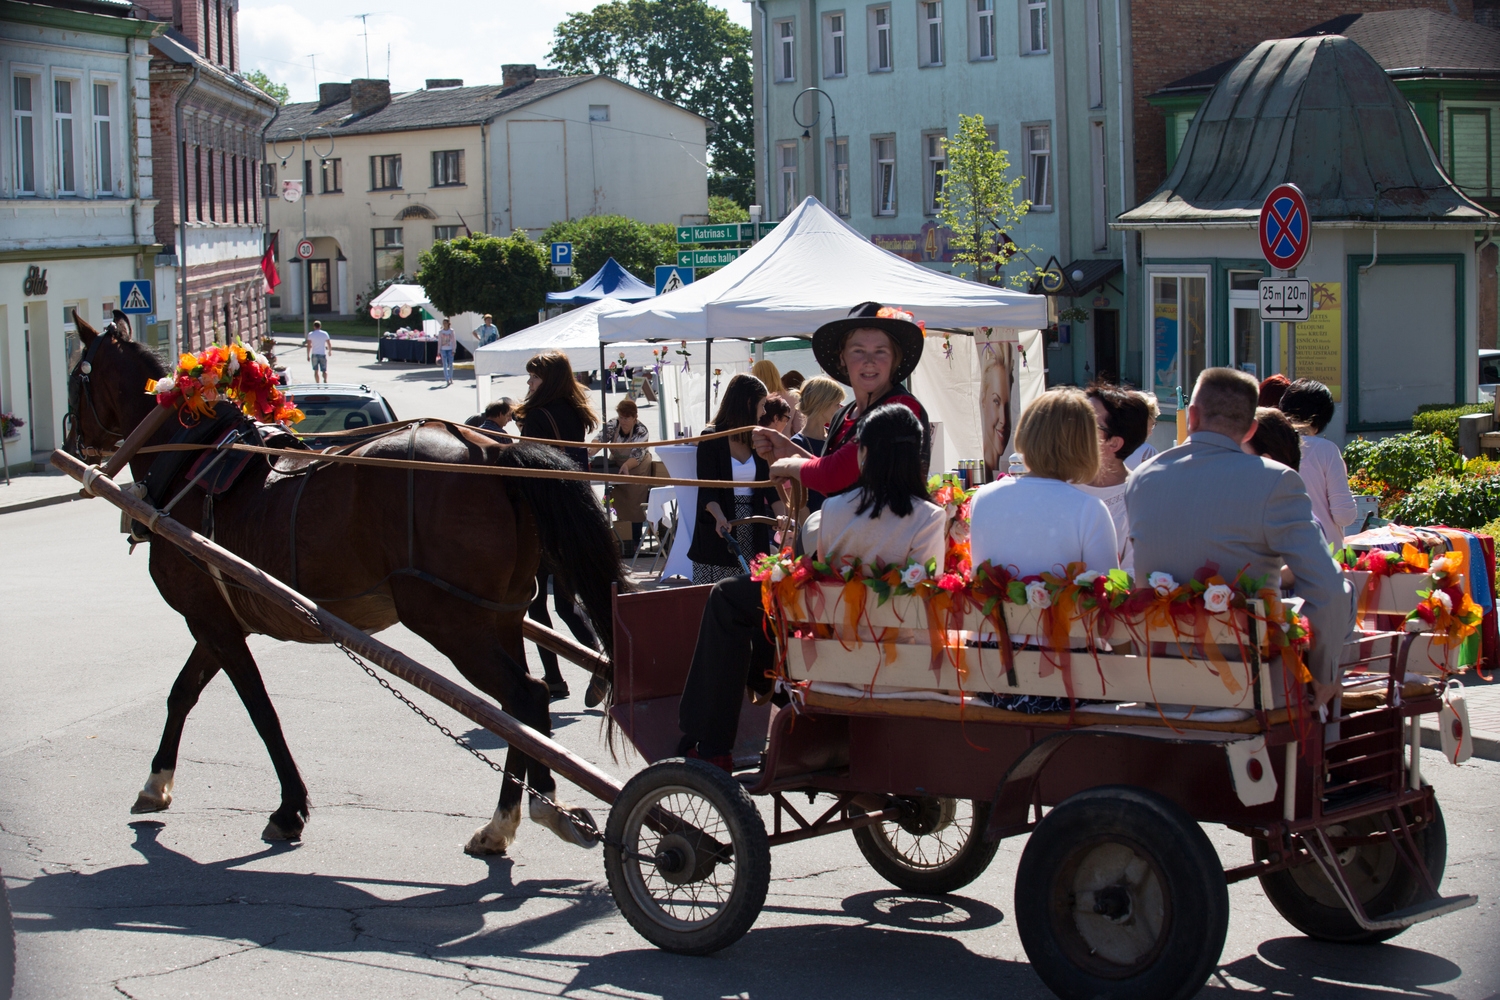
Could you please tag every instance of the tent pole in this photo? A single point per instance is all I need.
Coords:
(708, 377)
(603, 389)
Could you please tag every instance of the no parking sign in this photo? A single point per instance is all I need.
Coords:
(1285, 227)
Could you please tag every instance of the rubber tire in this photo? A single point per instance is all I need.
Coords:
(968, 864)
(1192, 938)
(1329, 923)
(747, 836)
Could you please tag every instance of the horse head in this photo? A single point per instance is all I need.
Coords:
(106, 389)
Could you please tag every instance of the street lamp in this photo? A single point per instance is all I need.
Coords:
(286, 136)
(807, 127)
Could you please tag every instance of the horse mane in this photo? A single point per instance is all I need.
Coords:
(145, 355)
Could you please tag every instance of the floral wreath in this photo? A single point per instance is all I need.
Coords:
(234, 373)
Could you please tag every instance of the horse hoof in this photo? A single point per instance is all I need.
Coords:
(274, 831)
(560, 820)
(496, 836)
(156, 795)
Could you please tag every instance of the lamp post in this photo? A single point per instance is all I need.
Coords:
(286, 136)
(807, 127)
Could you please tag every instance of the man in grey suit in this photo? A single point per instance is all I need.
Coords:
(1207, 501)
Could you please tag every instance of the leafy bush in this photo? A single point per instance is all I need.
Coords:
(1439, 419)
(635, 246)
(1481, 466)
(1491, 528)
(1458, 503)
(507, 276)
(1402, 460)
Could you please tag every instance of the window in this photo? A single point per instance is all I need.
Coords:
(1179, 341)
(24, 118)
(197, 181)
(440, 233)
(1472, 150)
(786, 66)
(1098, 164)
(213, 205)
(834, 63)
(883, 154)
(598, 112)
(981, 29)
(936, 161)
(1034, 27)
(930, 27)
(838, 175)
(1038, 146)
(62, 113)
(1245, 328)
(390, 261)
(992, 132)
(307, 178)
(1095, 43)
(786, 163)
(385, 172)
(447, 168)
(232, 187)
(333, 176)
(104, 142)
(880, 40)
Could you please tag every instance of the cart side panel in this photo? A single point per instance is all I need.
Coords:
(913, 756)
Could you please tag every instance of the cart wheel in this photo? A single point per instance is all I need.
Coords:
(1305, 897)
(686, 856)
(936, 846)
(1119, 893)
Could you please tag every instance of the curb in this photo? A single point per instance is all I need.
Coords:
(43, 502)
(1486, 745)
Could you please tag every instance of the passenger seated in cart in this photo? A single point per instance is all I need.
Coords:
(873, 350)
(1206, 501)
(888, 519)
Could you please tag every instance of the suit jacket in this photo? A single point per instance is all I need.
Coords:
(714, 462)
(1206, 501)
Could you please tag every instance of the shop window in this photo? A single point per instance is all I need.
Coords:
(1179, 333)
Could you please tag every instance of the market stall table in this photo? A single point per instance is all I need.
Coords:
(681, 461)
(412, 350)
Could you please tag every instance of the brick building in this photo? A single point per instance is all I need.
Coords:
(209, 127)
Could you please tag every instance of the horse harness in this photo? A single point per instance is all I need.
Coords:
(80, 392)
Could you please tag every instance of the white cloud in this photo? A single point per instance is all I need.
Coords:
(436, 38)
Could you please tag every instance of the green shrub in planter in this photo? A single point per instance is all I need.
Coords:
(1440, 419)
(1403, 460)
(1456, 502)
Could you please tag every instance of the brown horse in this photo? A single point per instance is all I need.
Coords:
(452, 556)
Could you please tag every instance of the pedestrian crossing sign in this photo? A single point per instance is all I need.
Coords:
(135, 297)
(670, 277)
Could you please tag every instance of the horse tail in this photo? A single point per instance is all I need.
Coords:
(578, 543)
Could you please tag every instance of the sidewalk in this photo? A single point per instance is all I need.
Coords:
(37, 489)
(1483, 701)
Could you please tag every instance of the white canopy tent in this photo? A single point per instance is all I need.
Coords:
(414, 296)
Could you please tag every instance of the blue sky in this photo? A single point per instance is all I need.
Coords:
(468, 39)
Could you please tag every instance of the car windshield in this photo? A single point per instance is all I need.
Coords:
(324, 413)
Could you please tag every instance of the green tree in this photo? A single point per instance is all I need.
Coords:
(978, 203)
(635, 246)
(507, 276)
(684, 51)
(278, 92)
(725, 209)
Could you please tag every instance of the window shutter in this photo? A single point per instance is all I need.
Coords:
(1470, 157)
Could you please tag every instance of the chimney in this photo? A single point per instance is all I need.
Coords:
(443, 84)
(366, 96)
(517, 74)
(332, 93)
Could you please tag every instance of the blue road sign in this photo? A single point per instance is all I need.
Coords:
(670, 277)
(562, 254)
(135, 297)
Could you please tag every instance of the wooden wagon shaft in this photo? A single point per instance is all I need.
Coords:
(468, 704)
(569, 649)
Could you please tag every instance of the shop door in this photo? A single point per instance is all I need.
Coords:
(1107, 345)
(1246, 331)
(320, 286)
(38, 377)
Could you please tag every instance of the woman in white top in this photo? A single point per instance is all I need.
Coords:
(1309, 406)
(1039, 523)
(1124, 420)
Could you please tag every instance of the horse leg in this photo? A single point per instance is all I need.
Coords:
(199, 669)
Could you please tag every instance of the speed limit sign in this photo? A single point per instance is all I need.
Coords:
(305, 249)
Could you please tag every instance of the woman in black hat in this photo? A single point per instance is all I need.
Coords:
(872, 351)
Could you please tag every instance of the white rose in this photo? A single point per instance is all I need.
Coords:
(959, 530)
(1443, 599)
(913, 574)
(1086, 579)
(1216, 598)
(777, 573)
(1037, 595)
(165, 385)
(234, 365)
(1162, 583)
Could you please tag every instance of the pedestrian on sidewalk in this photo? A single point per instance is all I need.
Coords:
(488, 333)
(319, 346)
(446, 341)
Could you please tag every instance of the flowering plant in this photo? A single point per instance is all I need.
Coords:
(1382, 563)
(234, 373)
(1446, 608)
(686, 354)
(10, 425)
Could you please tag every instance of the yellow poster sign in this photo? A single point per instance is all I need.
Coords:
(1320, 339)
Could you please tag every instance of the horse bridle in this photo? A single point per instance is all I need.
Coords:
(79, 391)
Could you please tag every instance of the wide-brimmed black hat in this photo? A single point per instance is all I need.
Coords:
(828, 341)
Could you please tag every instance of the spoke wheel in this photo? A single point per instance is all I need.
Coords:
(935, 846)
(686, 857)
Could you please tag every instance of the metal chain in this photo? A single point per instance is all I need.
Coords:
(584, 827)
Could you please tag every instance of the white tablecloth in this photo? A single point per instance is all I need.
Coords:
(657, 501)
(681, 461)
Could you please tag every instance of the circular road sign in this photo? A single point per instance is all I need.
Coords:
(1285, 227)
(305, 249)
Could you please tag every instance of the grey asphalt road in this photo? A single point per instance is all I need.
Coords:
(380, 901)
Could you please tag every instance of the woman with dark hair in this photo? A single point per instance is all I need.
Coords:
(731, 459)
(1275, 438)
(887, 520)
(557, 407)
(1124, 421)
(1308, 404)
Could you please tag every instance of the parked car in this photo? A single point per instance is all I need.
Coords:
(336, 407)
(1489, 371)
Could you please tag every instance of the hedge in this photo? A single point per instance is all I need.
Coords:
(1458, 503)
(1439, 419)
(1403, 460)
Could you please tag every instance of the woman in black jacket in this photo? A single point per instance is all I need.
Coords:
(557, 407)
(727, 459)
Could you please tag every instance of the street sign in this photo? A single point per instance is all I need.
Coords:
(135, 297)
(305, 249)
(562, 270)
(1285, 227)
(291, 191)
(670, 278)
(727, 232)
(766, 227)
(707, 258)
(1285, 300)
(562, 255)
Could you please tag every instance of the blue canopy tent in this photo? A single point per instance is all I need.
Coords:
(611, 282)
